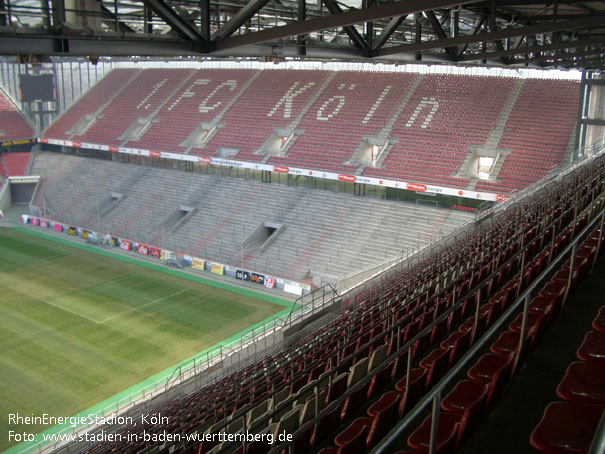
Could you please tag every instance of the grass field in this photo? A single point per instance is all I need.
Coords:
(79, 327)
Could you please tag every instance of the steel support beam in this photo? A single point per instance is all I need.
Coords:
(418, 33)
(596, 81)
(585, 22)
(350, 17)
(58, 12)
(181, 26)
(552, 59)
(205, 19)
(438, 29)
(513, 3)
(592, 121)
(476, 27)
(101, 46)
(240, 18)
(369, 31)
(355, 36)
(532, 49)
(108, 17)
(301, 17)
(388, 31)
(589, 63)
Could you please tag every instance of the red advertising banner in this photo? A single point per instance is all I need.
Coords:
(43, 140)
(35, 221)
(416, 187)
(155, 154)
(143, 249)
(204, 159)
(76, 144)
(155, 252)
(350, 178)
(281, 169)
(57, 227)
(126, 245)
(269, 282)
(113, 149)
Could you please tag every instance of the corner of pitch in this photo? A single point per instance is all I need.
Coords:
(155, 419)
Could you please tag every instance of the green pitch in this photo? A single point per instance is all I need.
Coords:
(79, 327)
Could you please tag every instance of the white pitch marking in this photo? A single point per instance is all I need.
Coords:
(72, 312)
(143, 305)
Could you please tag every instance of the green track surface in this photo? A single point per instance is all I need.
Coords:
(79, 326)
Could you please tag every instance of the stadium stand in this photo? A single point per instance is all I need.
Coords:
(332, 388)
(12, 125)
(351, 107)
(534, 152)
(14, 164)
(444, 117)
(428, 125)
(276, 97)
(92, 104)
(3, 171)
(138, 100)
(133, 201)
(184, 112)
(568, 426)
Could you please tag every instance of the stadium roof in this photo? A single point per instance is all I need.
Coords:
(563, 34)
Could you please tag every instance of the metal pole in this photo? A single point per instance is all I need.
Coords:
(435, 423)
(478, 299)
(572, 261)
(522, 334)
(599, 243)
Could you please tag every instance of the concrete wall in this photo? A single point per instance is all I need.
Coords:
(5, 196)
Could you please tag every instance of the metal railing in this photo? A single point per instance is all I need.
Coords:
(434, 396)
(598, 442)
(305, 309)
(408, 345)
(305, 306)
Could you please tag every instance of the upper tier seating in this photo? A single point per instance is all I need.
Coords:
(537, 132)
(350, 108)
(139, 99)
(444, 116)
(92, 101)
(265, 106)
(350, 372)
(205, 94)
(12, 124)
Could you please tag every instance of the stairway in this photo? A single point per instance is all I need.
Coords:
(143, 129)
(494, 137)
(492, 142)
(294, 123)
(386, 130)
(250, 81)
(384, 133)
(76, 131)
(220, 116)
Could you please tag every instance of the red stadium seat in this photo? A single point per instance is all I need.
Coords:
(566, 428)
(593, 347)
(583, 383)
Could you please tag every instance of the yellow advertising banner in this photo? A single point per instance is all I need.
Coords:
(218, 269)
(198, 264)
